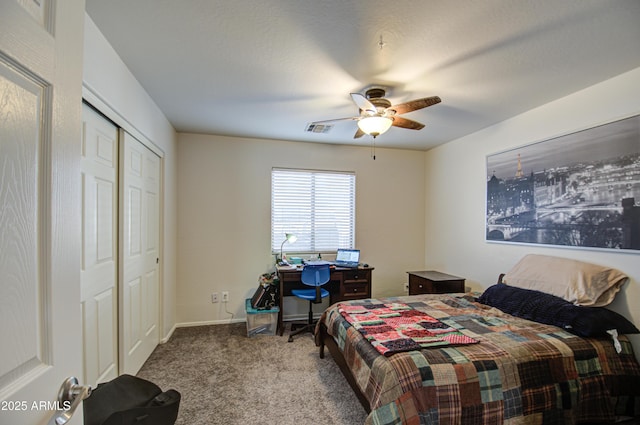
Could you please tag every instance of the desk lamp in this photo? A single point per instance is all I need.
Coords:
(288, 237)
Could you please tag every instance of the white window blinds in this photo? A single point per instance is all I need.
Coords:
(317, 206)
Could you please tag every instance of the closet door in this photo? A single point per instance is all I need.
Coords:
(140, 281)
(98, 276)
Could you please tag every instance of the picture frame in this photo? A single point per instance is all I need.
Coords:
(580, 190)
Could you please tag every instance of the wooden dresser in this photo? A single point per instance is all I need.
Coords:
(434, 282)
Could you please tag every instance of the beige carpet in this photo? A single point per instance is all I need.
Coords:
(227, 378)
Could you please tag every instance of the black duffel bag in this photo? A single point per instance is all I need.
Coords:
(128, 400)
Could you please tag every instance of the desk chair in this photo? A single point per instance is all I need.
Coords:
(316, 276)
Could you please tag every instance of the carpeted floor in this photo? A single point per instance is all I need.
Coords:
(227, 378)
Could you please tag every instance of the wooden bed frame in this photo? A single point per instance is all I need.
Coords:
(323, 339)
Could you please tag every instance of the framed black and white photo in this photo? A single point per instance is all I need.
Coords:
(578, 190)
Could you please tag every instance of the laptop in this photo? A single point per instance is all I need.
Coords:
(347, 258)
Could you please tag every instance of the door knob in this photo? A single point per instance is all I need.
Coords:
(70, 396)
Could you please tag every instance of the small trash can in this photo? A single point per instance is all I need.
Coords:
(261, 322)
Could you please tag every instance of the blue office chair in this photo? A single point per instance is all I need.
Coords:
(316, 276)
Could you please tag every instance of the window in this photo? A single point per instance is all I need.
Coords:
(317, 206)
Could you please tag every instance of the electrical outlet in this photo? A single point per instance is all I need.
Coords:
(215, 297)
(225, 296)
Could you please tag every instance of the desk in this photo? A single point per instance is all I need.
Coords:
(344, 284)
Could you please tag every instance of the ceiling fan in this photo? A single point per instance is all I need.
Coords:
(377, 114)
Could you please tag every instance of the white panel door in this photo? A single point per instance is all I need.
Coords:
(98, 275)
(40, 104)
(140, 283)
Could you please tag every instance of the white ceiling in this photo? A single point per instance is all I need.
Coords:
(267, 68)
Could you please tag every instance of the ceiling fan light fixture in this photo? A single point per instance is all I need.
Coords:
(375, 126)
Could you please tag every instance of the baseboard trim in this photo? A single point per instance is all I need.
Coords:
(210, 322)
(300, 318)
(287, 318)
(168, 335)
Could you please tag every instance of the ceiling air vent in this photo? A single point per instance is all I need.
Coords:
(319, 128)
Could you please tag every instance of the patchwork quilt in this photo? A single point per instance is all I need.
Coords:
(518, 372)
(396, 327)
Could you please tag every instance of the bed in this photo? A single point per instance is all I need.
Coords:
(482, 365)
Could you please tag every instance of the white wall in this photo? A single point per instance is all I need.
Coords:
(110, 86)
(224, 223)
(456, 185)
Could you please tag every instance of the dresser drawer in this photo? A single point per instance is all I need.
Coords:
(355, 290)
(353, 276)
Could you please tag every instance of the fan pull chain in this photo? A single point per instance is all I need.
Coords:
(373, 148)
(381, 43)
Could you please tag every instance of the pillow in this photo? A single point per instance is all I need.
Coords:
(575, 281)
(551, 310)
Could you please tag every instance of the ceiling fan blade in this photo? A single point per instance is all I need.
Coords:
(336, 119)
(363, 103)
(406, 123)
(414, 105)
(359, 134)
